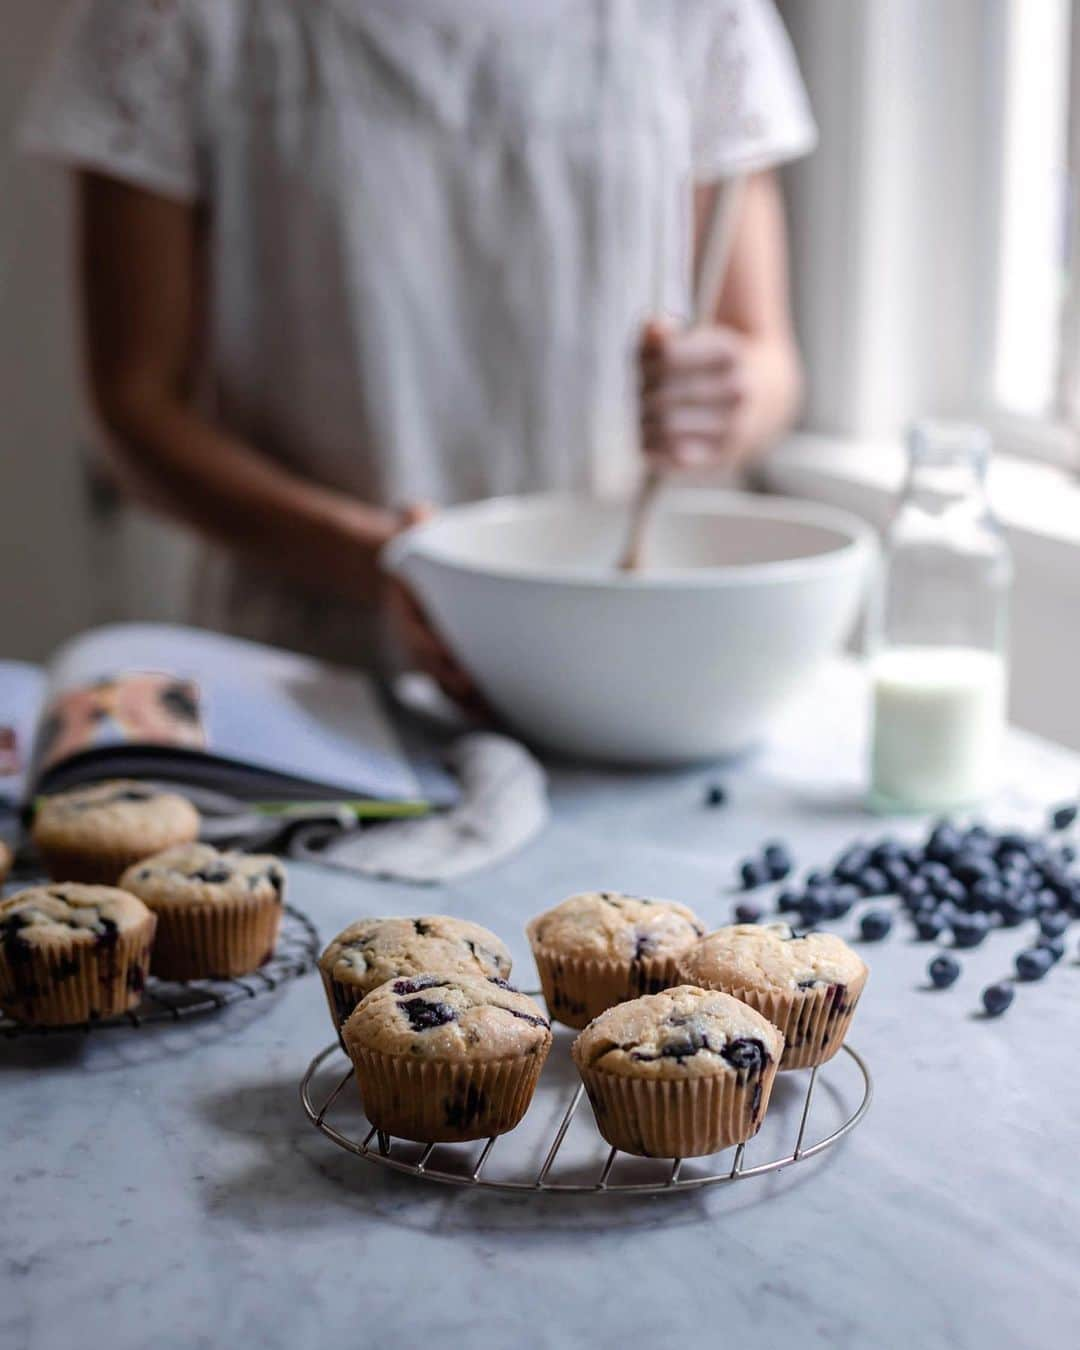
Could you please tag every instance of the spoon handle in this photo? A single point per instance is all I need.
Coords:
(718, 236)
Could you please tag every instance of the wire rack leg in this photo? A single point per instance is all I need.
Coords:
(556, 1143)
(805, 1113)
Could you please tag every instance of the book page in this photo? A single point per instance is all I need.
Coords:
(22, 693)
(270, 709)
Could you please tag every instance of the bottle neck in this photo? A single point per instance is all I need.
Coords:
(947, 465)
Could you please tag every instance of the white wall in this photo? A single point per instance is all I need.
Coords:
(60, 569)
(46, 587)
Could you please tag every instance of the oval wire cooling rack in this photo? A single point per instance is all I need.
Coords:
(601, 1173)
(295, 953)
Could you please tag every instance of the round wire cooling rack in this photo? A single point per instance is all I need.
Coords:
(295, 953)
(561, 1151)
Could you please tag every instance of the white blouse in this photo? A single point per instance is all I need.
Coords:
(436, 226)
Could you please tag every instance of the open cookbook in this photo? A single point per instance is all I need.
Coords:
(196, 709)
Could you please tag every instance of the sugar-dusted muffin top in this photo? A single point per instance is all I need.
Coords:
(372, 951)
(612, 926)
(198, 874)
(680, 1033)
(770, 957)
(121, 814)
(69, 912)
(448, 1017)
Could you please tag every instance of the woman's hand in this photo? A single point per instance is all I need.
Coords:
(707, 394)
(421, 642)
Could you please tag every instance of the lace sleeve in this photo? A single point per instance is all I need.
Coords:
(750, 106)
(119, 95)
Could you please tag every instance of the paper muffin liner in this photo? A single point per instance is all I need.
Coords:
(577, 988)
(215, 939)
(815, 1022)
(678, 1117)
(433, 1101)
(69, 983)
(341, 999)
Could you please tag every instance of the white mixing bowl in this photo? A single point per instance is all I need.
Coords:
(742, 597)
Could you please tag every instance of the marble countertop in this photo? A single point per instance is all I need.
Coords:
(162, 1187)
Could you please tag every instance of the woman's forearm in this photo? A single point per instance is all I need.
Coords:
(176, 461)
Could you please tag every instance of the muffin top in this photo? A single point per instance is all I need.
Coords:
(770, 957)
(615, 927)
(120, 814)
(69, 912)
(198, 874)
(681, 1033)
(448, 1017)
(372, 951)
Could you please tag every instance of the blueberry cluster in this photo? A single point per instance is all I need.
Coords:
(958, 884)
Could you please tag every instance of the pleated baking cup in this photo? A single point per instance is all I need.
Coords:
(434, 1101)
(679, 1117)
(216, 938)
(72, 982)
(815, 1021)
(577, 988)
(341, 999)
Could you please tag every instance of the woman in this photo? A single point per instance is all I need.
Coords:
(344, 261)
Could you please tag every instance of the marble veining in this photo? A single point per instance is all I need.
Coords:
(163, 1189)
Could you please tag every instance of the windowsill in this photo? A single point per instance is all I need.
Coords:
(1039, 504)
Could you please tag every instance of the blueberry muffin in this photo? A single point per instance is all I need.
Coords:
(218, 913)
(71, 953)
(446, 1057)
(807, 986)
(601, 948)
(679, 1074)
(6, 860)
(372, 951)
(92, 834)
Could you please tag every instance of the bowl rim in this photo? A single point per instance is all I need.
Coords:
(420, 541)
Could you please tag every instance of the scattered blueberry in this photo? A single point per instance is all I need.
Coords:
(851, 863)
(996, 998)
(787, 902)
(1013, 911)
(935, 873)
(929, 926)
(812, 909)
(753, 874)
(968, 930)
(1063, 816)
(1053, 923)
(943, 971)
(779, 861)
(1033, 963)
(747, 913)
(1054, 945)
(844, 897)
(875, 924)
(873, 881)
(715, 795)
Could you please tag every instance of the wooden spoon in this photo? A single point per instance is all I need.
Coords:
(718, 235)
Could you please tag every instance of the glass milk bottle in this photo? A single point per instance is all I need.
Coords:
(937, 630)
